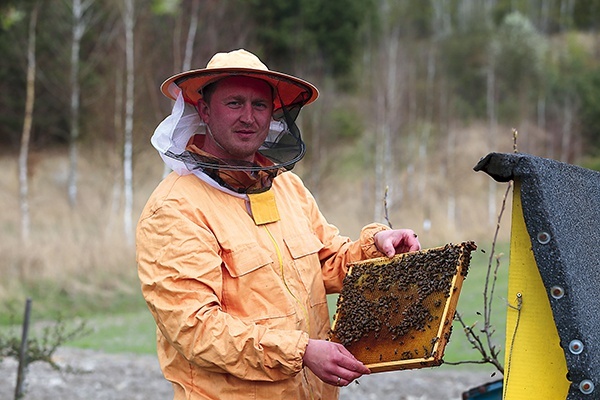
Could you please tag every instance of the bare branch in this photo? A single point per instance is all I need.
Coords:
(385, 206)
(478, 345)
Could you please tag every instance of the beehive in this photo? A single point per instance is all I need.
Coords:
(396, 313)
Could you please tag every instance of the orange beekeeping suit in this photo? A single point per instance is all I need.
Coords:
(235, 303)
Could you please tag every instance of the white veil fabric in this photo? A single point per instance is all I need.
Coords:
(174, 132)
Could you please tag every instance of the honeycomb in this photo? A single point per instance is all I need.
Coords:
(396, 313)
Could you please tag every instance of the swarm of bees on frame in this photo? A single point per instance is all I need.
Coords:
(396, 313)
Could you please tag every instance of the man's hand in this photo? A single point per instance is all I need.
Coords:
(395, 241)
(332, 363)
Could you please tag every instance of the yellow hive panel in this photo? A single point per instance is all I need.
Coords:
(535, 365)
(396, 313)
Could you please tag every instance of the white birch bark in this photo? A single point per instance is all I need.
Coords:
(191, 37)
(189, 50)
(388, 110)
(79, 27)
(113, 155)
(128, 140)
(439, 28)
(27, 124)
(450, 172)
(391, 122)
(379, 134)
(492, 131)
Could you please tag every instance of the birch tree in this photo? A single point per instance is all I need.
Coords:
(492, 125)
(441, 27)
(492, 56)
(191, 37)
(189, 49)
(388, 95)
(27, 124)
(79, 8)
(128, 19)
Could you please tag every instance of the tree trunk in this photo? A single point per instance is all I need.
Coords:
(422, 161)
(545, 16)
(114, 153)
(567, 130)
(27, 124)
(189, 50)
(128, 142)
(79, 27)
(453, 143)
(566, 14)
(380, 135)
(391, 121)
(388, 107)
(493, 127)
(191, 37)
(541, 122)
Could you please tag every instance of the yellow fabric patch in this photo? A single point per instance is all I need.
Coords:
(535, 365)
(263, 207)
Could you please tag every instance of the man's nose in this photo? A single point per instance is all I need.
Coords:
(247, 115)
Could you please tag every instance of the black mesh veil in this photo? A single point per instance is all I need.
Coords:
(285, 147)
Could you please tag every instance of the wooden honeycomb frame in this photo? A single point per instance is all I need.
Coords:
(396, 313)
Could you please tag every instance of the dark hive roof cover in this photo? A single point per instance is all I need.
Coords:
(563, 200)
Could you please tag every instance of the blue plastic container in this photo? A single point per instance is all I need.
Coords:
(489, 391)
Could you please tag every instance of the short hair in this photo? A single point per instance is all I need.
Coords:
(208, 90)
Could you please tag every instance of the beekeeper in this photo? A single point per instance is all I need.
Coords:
(234, 257)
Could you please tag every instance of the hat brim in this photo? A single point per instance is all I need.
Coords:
(289, 90)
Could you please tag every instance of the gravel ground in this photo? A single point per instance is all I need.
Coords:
(102, 376)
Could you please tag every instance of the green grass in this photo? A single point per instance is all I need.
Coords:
(118, 323)
(132, 332)
(53, 300)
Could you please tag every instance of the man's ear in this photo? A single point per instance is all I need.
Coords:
(203, 110)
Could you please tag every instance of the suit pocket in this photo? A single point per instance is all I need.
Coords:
(304, 249)
(251, 288)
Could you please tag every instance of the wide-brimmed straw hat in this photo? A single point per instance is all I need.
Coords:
(289, 90)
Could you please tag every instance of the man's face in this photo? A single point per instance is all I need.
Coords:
(239, 115)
